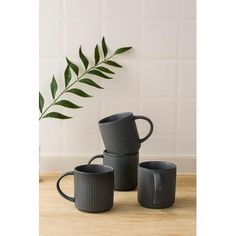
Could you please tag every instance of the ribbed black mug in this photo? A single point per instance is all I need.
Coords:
(93, 188)
(125, 169)
(119, 133)
(156, 184)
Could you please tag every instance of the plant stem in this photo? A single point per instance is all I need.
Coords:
(65, 90)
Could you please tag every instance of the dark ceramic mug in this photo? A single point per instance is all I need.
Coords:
(93, 187)
(125, 169)
(156, 184)
(119, 133)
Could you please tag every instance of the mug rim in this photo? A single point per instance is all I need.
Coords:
(106, 169)
(123, 115)
(169, 165)
(117, 155)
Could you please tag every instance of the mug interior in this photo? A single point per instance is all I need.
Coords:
(157, 165)
(115, 117)
(94, 169)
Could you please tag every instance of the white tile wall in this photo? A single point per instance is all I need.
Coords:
(122, 8)
(162, 112)
(51, 136)
(126, 82)
(161, 8)
(188, 9)
(50, 9)
(159, 38)
(48, 68)
(123, 30)
(187, 116)
(187, 78)
(162, 144)
(162, 82)
(82, 8)
(186, 145)
(80, 31)
(188, 39)
(111, 106)
(158, 79)
(50, 38)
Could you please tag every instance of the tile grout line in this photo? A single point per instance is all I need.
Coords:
(178, 80)
(139, 58)
(63, 50)
(100, 110)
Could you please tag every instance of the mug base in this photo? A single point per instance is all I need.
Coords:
(94, 211)
(156, 206)
(125, 189)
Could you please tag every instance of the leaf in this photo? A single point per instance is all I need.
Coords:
(41, 102)
(56, 115)
(121, 50)
(112, 63)
(96, 55)
(104, 69)
(99, 73)
(90, 82)
(83, 58)
(67, 75)
(66, 103)
(104, 47)
(53, 87)
(74, 67)
(78, 92)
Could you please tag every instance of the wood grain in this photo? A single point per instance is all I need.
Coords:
(59, 217)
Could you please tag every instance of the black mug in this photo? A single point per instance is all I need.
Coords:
(125, 169)
(156, 184)
(120, 135)
(93, 188)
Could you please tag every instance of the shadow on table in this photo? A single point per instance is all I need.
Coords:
(185, 203)
(128, 207)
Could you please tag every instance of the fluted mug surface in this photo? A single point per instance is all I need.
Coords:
(125, 169)
(93, 187)
(156, 184)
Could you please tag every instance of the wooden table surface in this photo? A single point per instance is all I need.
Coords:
(59, 217)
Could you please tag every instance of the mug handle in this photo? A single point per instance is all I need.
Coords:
(59, 189)
(157, 188)
(95, 157)
(151, 127)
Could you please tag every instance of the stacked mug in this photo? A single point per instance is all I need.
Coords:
(122, 143)
(94, 184)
